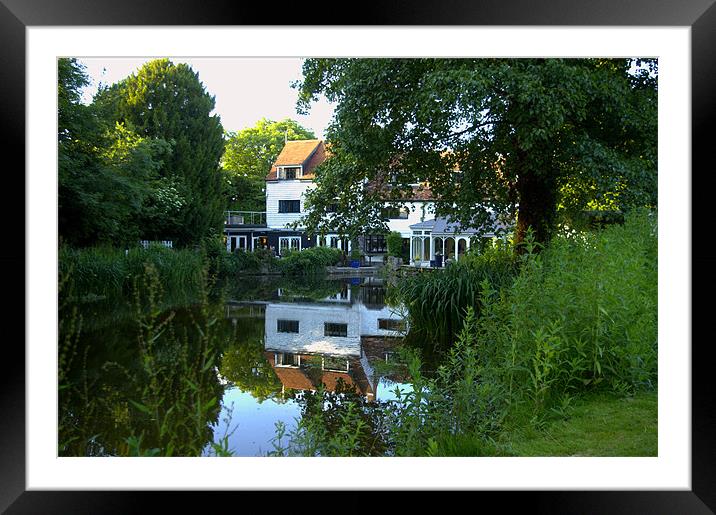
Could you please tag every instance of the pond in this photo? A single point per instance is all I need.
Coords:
(224, 372)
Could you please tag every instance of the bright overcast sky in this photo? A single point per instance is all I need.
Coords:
(245, 89)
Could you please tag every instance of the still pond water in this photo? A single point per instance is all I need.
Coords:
(274, 339)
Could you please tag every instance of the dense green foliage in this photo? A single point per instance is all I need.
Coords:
(394, 240)
(248, 157)
(108, 272)
(309, 261)
(533, 133)
(109, 185)
(582, 315)
(437, 301)
(168, 102)
(141, 161)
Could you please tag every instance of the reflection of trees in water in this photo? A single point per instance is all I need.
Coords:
(299, 287)
(243, 362)
(339, 423)
(144, 387)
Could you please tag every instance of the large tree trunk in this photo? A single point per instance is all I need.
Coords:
(537, 207)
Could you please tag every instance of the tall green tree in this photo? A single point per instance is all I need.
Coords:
(168, 102)
(515, 136)
(249, 155)
(108, 182)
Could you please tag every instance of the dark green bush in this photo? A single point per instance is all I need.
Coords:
(248, 262)
(394, 240)
(308, 261)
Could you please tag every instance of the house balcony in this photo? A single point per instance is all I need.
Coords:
(235, 219)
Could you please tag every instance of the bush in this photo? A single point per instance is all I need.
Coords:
(394, 240)
(248, 262)
(308, 261)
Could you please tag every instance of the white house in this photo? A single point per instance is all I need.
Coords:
(287, 182)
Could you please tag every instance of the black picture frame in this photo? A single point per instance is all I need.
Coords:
(700, 15)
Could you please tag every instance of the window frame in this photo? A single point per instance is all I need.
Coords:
(282, 203)
(332, 333)
(286, 321)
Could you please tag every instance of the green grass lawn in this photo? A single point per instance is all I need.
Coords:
(599, 425)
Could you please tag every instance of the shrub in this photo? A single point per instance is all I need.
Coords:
(394, 240)
(248, 262)
(308, 261)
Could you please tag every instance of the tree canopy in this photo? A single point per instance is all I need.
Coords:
(509, 136)
(108, 175)
(167, 101)
(249, 155)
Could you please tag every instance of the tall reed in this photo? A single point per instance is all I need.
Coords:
(438, 301)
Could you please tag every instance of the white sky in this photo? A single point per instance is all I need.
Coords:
(245, 89)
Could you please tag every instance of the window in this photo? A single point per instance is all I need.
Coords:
(289, 172)
(331, 208)
(331, 329)
(286, 243)
(391, 324)
(375, 243)
(395, 213)
(285, 359)
(289, 206)
(287, 326)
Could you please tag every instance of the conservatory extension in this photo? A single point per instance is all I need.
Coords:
(435, 241)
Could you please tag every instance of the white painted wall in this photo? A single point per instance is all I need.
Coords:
(369, 320)
(284, 190)
(296, 189)
(419, 212)
(310, 337)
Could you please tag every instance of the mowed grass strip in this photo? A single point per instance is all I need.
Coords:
(600, 425)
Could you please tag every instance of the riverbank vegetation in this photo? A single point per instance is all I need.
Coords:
(574, 323)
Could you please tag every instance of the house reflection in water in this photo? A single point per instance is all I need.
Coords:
(313, 342)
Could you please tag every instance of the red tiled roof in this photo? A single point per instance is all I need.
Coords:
(308, 153)
(421, 191)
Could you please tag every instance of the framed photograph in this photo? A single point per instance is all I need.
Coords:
(294, 341)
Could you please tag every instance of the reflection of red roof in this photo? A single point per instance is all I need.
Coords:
(330, 380)
(308, 153)
(294, 378)
(297, 378)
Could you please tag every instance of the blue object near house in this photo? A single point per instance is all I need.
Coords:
(355, 263)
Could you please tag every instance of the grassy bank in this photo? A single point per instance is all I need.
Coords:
(107, 272)
(598, 425)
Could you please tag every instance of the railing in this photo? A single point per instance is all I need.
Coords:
(146, 243)
(245, 218)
